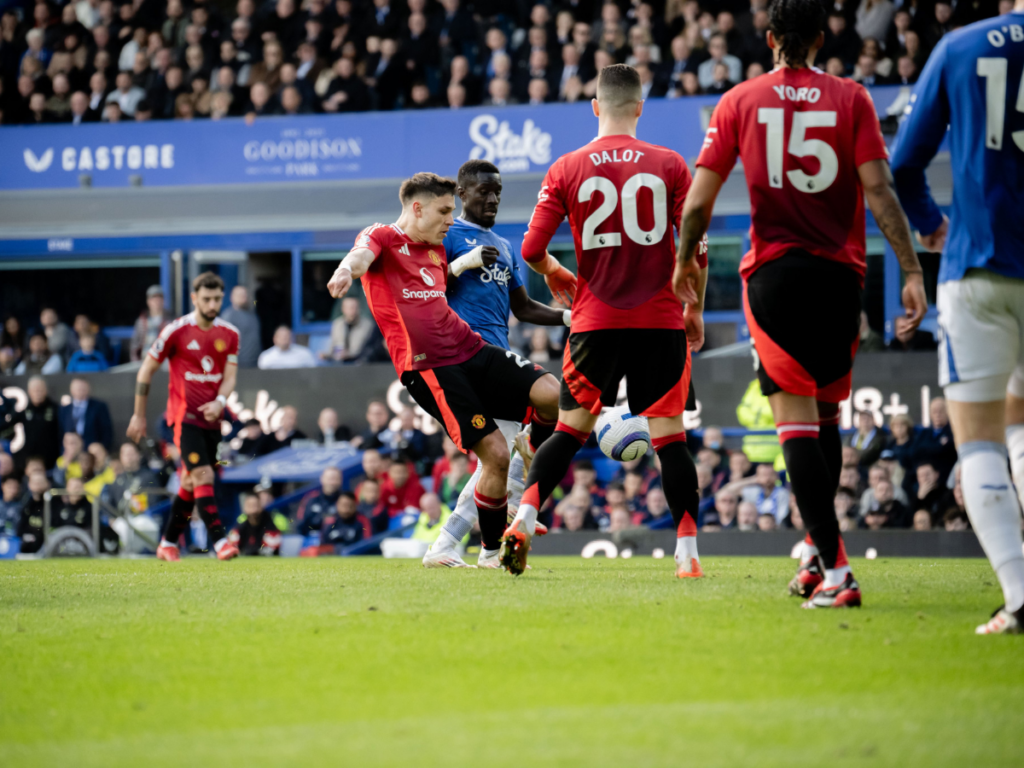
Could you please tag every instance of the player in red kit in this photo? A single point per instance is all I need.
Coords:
(623, 198)
(203, 354)
(448, 369)
(812, 149)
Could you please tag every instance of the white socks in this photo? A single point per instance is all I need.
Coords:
(994, 511)
(686, 550)
(1015, 446)
(528, 514)
(836, 576)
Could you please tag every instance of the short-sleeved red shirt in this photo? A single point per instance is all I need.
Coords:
(198, 359)
(405, 290)
(801, 135)
(624, 198)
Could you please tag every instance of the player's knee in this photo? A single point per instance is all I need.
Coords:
(187, 483)
(202, 476)
(544, 396)
(493, 452)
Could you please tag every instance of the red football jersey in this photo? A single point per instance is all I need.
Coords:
(624, 198)
(405, 290)
(198, 359)
(801, 134)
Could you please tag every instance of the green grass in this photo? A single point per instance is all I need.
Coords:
(362, 662)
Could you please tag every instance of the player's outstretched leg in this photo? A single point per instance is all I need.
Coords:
(207, 504)
(177, 522)
(443, 553)
(491, 495)
(679, 481)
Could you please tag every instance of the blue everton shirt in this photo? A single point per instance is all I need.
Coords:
(481, 296)
(973, 84)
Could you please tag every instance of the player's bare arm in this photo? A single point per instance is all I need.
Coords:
(137, 426)
(700, 202)
(352, 267)
(693, 314)
(526, 310)
(880, 191)
(213, 410)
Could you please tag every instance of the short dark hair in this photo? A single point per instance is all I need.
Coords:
(473, 168)
(796, 25)
(618, 87)
(209, 280)
(349, 495)
(615, 485)
(584, 464)
(847, 492)
(425, 183)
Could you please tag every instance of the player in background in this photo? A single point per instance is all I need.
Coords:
(203, 350)
(812, 148)
(485, 283)
(449, 370)
(974, 84)
(623, 198)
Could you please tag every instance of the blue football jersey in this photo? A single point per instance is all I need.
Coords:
(481, 296)
(973, 83)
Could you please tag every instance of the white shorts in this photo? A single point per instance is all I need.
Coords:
(981, 337)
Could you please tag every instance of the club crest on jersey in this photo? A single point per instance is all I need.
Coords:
(193, 345)
(220, 345)
(470, 241)
(193, 458)
(434, 258)
(478, 421)
(427, 277)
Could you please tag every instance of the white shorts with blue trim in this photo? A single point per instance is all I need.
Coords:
(981, 337)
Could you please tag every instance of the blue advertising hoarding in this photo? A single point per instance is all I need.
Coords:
(523, 139)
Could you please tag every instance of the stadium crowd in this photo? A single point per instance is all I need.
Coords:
(93, 60)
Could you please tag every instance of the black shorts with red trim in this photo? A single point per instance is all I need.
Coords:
(803, 312)
(467, 398)
(654, 361)
(197, 446)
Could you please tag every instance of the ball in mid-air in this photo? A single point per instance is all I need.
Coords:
(621, 435)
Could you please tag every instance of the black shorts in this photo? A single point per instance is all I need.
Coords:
(655, 362)
(803, 312)
(467, 398)
(198, 447)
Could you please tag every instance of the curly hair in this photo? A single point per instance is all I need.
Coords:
(796, 25)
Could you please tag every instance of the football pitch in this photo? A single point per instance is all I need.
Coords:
(364, 662)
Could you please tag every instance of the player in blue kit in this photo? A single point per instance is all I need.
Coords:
(485, 284)
(974, 83)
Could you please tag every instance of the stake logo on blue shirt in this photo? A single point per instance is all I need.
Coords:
(481, 296)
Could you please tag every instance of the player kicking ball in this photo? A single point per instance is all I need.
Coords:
(203, 354)
(974, 84)
(485, 283)
(623, 198)
(811, 148)
(450, 371)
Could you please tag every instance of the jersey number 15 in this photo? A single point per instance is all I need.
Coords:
(800, 146)
(993, 69)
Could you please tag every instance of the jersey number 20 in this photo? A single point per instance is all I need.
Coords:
(774, 118)
(630, 219)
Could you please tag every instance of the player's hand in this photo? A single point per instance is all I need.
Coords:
(136, 428)
(489, 254)
(936, 241)
(694, 320)
(684, 281)
(915, 303)
(211, 411)
(562, 284)
(340, 282)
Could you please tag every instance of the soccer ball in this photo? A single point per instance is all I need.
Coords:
(621, 435)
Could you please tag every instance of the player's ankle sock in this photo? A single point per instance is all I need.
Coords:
(218, 545)
(493, 518)
(679, 481)
(540, 429)
(1015, 447)
(832, 447)
(452, 532)
(547, 470)
(177, 520)
(812, 484)
(995, 514)
(837, 575)
(807, 549)
(208, 512)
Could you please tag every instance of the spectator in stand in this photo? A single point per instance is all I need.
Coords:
(906, 71)
(956, 520)
(720, 82)
(68, 464)
(499, 94)
(746, 516)
(874, 18)
(30, 526)
(285, 354)
(935, 444)
(655, 508)
(127, 95)
(376, 435)
(40, 421)
(869, 499)
(941, 23)
(12, 336)
(574, 513)
(257, 534)
(930, 491)
(351, 332)
(329, 430)
(284, 434)
(84, 326)
(247, 439)
(400, 488)
(374, 467)
(866, 72)
(719, 50)
(584, 476)
(39, 359)
(846, 507)
(150, 323)
(346, 92)
(88, 417)
(887, 512)
(740, 467)
(407, 439)
(722, 516)
(633, 485)
(454, 480)
(318, 504)
(869, 440)
(102, 471)
(433, 515)
(904, 448)
(12, 501)
(841, 41)
(87, 359)
(922, 520)
(766, 522)
(240, 315)
(72, 508)
(346, 526)
(58, 335)
(369, 506)
(770, 496)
